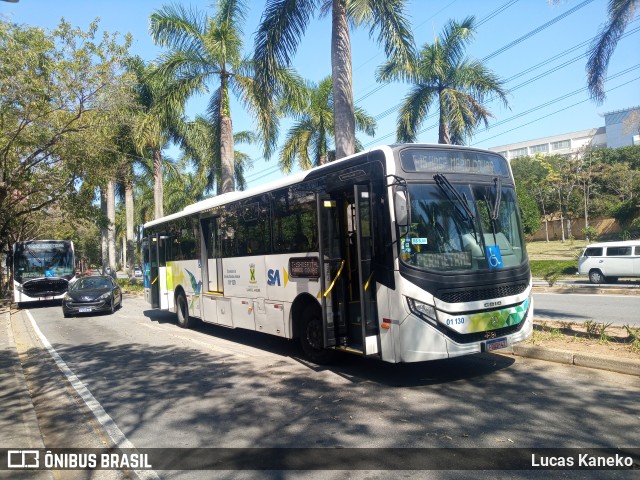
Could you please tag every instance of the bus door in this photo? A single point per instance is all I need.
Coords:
(363, 223)
(332, 288)
(347, 283)
(211, 256)
(152, 268)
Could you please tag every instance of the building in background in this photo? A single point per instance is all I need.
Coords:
(621, 128)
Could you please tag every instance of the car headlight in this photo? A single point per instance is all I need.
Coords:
(422, 310)
(104, 296)
(66, 297)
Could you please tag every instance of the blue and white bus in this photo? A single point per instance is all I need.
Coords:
(403, 252)
(42, 269)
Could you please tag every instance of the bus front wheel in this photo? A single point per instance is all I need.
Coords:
(182, 310)
(312, 338)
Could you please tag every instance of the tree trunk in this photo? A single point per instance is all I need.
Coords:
(227, 182)
(104, 230)
(128, 203)
(341, 69)
(111, 229)
(158, 191)
(443, 127)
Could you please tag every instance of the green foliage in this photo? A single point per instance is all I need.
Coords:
(130, 285)
(590, 233)
(530, 214)
(634, 337)
(544, 268)
(60, 92)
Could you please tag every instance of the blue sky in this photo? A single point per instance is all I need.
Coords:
(552, 104)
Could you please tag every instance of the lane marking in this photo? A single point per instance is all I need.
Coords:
(119, 439)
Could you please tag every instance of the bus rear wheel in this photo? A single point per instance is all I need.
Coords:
(312, 337)
(182, 311)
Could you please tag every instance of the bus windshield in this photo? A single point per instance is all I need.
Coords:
(453, 224)
(42, 259)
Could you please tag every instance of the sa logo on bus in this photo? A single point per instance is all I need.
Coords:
(273, 277)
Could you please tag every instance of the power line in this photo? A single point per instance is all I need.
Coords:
(553, 113)
(530, 69)
(536, 30)
(538, 107)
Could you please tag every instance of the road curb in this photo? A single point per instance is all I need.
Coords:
(585, 289)
(600, 362)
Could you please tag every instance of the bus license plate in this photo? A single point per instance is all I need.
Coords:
(496, 344)
(84, 309)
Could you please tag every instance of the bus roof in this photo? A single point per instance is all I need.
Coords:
(292, 179)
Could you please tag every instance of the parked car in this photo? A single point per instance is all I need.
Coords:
(605, 262)
(92, 294)
(137, 272)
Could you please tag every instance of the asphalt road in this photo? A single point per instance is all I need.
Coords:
(164, 386)
(614, 309)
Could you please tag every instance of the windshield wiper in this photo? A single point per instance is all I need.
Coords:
(496, 206)
(449, 190)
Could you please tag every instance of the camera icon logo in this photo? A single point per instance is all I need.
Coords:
(23, 459)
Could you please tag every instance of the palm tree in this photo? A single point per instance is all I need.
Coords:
(199, 142)
(441, 73)
(157, 118)
(620, 12)
(207, 50)
(309, 140)
(284, 23)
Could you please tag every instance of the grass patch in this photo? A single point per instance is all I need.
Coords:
(550, 268)
(556, 250)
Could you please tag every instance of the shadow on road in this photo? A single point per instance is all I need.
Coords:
(351, 367)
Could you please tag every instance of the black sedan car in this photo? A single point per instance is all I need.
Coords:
(92, 294)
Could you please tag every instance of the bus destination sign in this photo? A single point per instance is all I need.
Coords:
(304, 267)
(443, 161)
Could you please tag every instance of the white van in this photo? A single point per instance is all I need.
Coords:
(605, 262)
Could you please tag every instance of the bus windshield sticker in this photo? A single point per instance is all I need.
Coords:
(494, 257)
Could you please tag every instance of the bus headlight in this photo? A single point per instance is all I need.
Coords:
(422, 310)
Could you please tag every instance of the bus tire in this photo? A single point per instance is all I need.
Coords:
(312, 337)
(182, 310)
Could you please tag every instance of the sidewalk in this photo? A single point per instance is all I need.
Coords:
(19, 426)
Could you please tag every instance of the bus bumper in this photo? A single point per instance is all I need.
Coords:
(421, 342)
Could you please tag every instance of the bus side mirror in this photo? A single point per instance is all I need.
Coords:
(401, 205)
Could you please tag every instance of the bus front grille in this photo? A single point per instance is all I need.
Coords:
(45, 287)
(474, 295)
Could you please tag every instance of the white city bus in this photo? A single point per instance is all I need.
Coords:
(41, 269)
(404, 252)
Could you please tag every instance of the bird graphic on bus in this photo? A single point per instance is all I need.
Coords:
(197, 287)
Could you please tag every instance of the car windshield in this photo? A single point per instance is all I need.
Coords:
(91, 283)
(457, 227)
